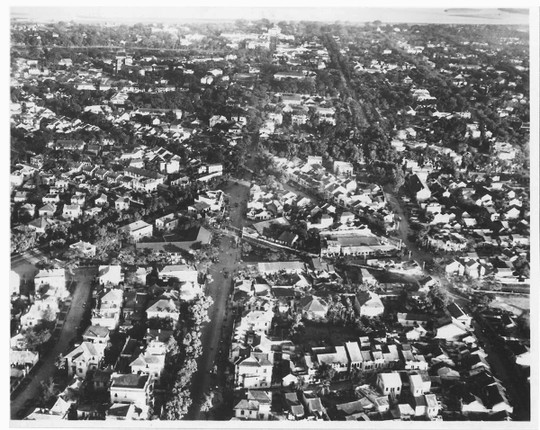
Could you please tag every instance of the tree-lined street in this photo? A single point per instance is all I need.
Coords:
(47, 365)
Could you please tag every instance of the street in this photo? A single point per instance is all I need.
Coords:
(503, 368)
(219, 289)
(47, 366)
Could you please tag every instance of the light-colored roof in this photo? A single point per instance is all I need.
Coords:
(354, 351)
(390, 379)
(280, 265)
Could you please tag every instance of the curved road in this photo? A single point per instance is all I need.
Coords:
(47, 366)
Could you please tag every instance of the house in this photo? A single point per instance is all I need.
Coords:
(87, 356)
(48, 210)
(131, 388)
(164, 308)
(46, 310)
(313, 308)
(512, 213)
(314, 405)
(139, 229)
(97, 334)
(258, 320)
(458, 315)
(254, 371)
(121, 204)
(368, 304)
(295, 407)
(51, 198)
(110, 275)
(102, 200)
(84, 249)
(419, 188)
(72, 212)
(157, 340)
(55, 278)
(109, 310)
(389, 384)
(167, 222)
(78, 199)
(416, 385)
(181, 272)
(343, 168)
(151, 364)
(336, 357)
(133, 311)
(432, 405)
(455, 267)
(255, 407)
(21, 359)
(450, 332)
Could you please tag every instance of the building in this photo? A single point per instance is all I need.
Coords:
(255, 407)
(121, 204)
(110, 275)
(355, 356)
(368, 304)
(151, 364)
(72, 212)
(139, 229)
(254, 371)
(167, 222)
(97, 334)
(109, 310)
(164, 309)
(313, 308)
(459, 315)
(343, 168)
(55, 278)
(87, 356)
(84, 249)
(335, 357)
(181, 272)
(131, 388)
(389, 384)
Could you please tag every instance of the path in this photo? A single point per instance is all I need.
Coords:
(47, 366)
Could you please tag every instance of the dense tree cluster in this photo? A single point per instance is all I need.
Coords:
(184, 350)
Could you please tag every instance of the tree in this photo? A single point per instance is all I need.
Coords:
(47, 391)
(326, 373)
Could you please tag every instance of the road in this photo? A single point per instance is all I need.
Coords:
(219, 289)
(84, 278)
(504, 369)
(418, 254)
(404, 230)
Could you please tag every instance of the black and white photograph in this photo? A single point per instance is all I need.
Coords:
(237, 216)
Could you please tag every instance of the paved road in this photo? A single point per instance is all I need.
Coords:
(83, 277)
(219, 289)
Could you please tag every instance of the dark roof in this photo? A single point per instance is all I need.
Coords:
(350, 407)
(362, 297)
(455, 311)
(129, 381)
(143, 172)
